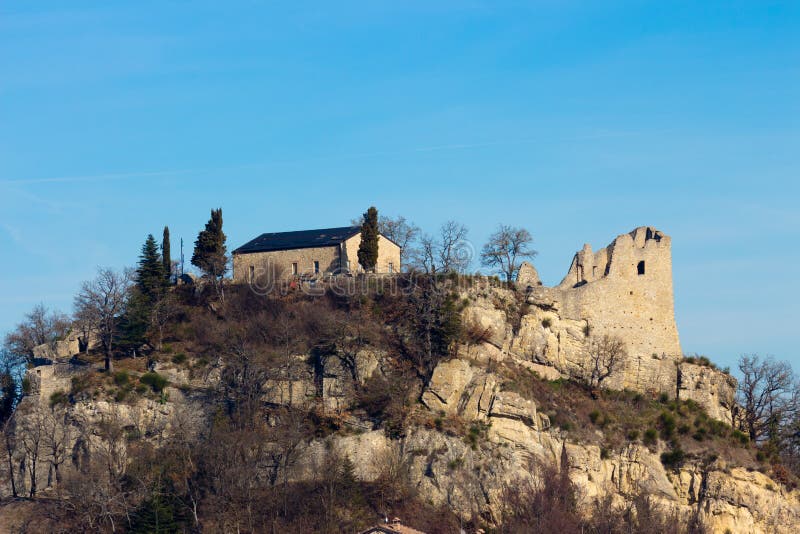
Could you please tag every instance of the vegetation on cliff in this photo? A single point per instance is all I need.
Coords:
(192, 413)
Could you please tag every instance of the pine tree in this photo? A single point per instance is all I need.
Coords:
(156, 515)
(209, 250)
(150, 277)
(368, 248)
(150, 287)
(165, 253)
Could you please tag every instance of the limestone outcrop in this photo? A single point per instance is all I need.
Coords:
(711, 388)
(623, 291)
(527, 276)
(726, 498)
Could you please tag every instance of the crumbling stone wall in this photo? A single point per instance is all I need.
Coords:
(623, 290)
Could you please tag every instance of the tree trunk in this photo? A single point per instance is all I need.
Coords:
(32, 474)
(11, 468)
(107, 346)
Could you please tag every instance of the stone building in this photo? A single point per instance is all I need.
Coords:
(309, 254)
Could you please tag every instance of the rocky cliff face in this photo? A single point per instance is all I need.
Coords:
(727, 497)
(476, 426)
(471, 436)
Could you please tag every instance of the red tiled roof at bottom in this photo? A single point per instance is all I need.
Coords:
(391, 528)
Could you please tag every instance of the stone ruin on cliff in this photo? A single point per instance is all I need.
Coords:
(623, 291)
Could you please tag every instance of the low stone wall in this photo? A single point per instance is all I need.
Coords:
(47, 379)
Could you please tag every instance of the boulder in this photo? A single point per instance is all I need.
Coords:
(447, 384)
(488, 319)
(59, 350)
(367, 364)
(527, 276)
(712, 389)
(512, 406)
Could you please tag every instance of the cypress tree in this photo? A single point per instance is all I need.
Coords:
(165, 253)
(368, 248)
(150, 279)
(209, 250)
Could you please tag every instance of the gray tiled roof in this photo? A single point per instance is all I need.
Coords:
(323, 237)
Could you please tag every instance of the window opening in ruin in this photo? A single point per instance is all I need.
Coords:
(252, 273)
(294, 269)
(640, 268)
(316, 267)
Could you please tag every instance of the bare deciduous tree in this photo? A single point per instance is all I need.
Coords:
(10, 443)
(607, 355)
(96, 502)
(112, 448)
(32, 438)
(57, 440)
(764, 394)
(447, 252)
(454, 253)
(84, 325)
(402, 232)
(101, 302)
(164, 309)
(505, 250)
(39, 327)
(424, 258)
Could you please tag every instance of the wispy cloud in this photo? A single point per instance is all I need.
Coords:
(12, 231)
(99, 177)
(355, 155)
(54, 206)
(26, 245)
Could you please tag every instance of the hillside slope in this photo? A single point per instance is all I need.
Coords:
(326, 413)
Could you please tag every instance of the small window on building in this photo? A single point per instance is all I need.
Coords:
(316, 267)
(252, 272)
(640, 268)
(294, 269)
(391, 267)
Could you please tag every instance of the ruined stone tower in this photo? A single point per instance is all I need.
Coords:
(623, 290)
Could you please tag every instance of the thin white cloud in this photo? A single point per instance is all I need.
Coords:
(432, 148)
(13, 232)
(99, 177)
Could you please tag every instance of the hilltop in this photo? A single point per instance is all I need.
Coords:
(449, 401)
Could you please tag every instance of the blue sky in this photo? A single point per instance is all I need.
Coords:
(578, 120)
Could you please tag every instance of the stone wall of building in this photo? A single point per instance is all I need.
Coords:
(388, 253)
(277, 264)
